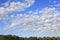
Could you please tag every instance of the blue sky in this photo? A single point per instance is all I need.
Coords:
(27, 18)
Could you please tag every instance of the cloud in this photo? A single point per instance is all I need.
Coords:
(47, 19)
(15, 6)
(56, 5)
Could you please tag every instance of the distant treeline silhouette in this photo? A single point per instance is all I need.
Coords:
(14, 37)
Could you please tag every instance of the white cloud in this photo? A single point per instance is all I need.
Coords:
(31, 21)
(15, 6)
(48, 21)
(57, 5)
(2, 10)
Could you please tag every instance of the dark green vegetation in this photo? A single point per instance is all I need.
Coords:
(10, 37)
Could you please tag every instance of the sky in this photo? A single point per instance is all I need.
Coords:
(27, 18)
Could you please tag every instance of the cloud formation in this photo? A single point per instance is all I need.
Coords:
(15, 6)
(47, 19)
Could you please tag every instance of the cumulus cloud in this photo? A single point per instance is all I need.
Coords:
(47, 19)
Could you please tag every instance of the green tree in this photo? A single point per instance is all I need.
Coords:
(1, 37)
(53, 38)
(32, 38)
(40, 38)
(58, 38)
(45, 38)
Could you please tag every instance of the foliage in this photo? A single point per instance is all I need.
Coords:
(13, 37)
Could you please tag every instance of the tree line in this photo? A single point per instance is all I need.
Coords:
(14, 37)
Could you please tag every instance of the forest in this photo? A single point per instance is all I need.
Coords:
(14, 37)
